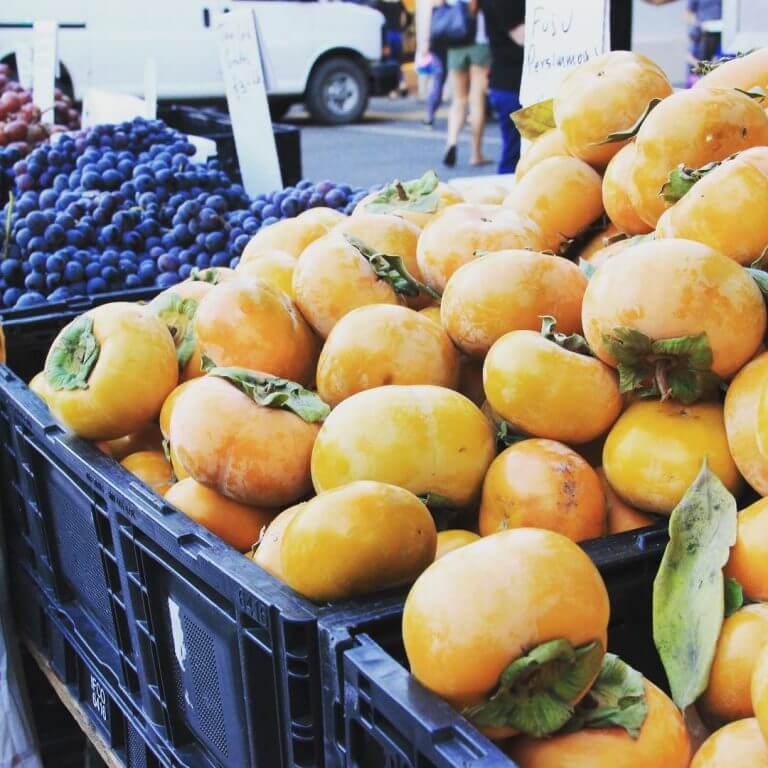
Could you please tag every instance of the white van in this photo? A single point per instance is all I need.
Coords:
(326, 54)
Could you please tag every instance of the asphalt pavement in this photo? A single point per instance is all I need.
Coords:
(391, 142)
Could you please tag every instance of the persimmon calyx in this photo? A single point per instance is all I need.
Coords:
(705, 66)
(573, 342)
(391, 270)
(536, 691)
(616, 699)
(418, 195)
(681, 179)
(273, 392)
(632, 130)
(573, 244)
(689, 591)
(210, 275)
(178, 315)
(535, 120)
(677, 368)
(72, 359)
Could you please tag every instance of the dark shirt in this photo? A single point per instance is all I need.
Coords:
(393, 13)
(506, 56)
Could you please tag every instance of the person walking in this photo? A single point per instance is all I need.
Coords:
(505, 25)
(438, 70)
(468, 66)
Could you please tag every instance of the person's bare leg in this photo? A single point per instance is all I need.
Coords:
(457, 114)
(478, 87)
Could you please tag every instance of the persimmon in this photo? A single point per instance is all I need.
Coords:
(759, 691)
(509, 291)
(239, 525)
(484, 193)
(432, 312)
(542, 484)
(249, 324)
(544, 389)
(167, 409)
(676, 288)
(152, 468)
(427, 439)
(736, 744)
(471, 615)
(293, 235)
(255, 454)
(692, 127)
(563, 195)
(267, 553)
(620, 516)
(452, 539)
(273, 267)
(390, 235)
(456, 237)
(727, 209)
(748, 560)
(606, 95)
(384, 344)
(663, 741)
(616, 198)
(39, 385)
(417, 201)
(333, 277)
(109, 371)
(148, 438)
(356, 539)
(747, 73)
(655, 451)
(598, 257)
(743, 424)
(549, 144)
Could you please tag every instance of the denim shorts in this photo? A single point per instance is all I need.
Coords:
(461, 58)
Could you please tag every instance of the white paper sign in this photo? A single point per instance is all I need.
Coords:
(45, 36)
(108, 107)
(23, 55)
(560, 35)
(241, 65)
(150, 88)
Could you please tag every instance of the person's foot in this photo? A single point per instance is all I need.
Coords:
(430, 121)
(480, 161)
(449, 158)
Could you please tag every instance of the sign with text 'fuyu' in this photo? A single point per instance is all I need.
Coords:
(560, 35)
(242, 66)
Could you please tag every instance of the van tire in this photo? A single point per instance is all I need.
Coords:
(338, 91)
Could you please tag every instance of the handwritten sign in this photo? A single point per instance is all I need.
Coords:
(108, 107)
(241, 63)
(560, 35)
(44, 63)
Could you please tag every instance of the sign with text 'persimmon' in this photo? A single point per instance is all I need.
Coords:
(560, 35)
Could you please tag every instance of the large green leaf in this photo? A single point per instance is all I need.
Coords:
(689, 589)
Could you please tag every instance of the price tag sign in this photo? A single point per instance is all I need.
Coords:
(45, 36)
(241, 64)
(107, 107)
(560, 35)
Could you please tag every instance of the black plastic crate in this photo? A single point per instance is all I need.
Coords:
(122, 727)
(231, 668)
(216, 125)
(392, 721)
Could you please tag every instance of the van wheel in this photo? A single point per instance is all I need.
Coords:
(338, 91)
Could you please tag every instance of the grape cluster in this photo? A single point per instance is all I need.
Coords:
(123, 206)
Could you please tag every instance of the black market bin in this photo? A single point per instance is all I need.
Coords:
(227, 666)
(216, 125)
